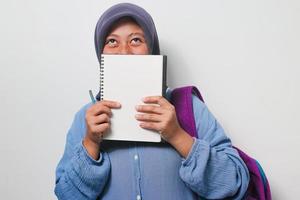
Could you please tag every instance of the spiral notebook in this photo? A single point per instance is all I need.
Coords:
(127, 79)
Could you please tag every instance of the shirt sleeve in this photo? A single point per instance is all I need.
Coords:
(213, 169)
(78, 175)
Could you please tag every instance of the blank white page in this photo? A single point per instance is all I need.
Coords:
(127, 79)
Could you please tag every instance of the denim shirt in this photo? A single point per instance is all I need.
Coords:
(141, 170)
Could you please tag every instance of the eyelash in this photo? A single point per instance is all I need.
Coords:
(111, 40)
(139, 40)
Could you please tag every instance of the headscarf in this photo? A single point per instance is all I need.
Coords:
(118, 11)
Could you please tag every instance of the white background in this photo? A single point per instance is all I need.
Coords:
(242, 55)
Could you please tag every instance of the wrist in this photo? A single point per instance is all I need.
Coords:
(182, 142)
(176, 136)
(92, 148)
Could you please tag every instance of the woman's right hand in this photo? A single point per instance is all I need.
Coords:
(97, 119)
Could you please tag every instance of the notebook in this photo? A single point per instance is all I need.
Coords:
(127, 79)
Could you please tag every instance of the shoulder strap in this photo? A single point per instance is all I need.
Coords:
(181, 98)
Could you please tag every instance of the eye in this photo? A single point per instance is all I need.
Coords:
(136, 41)
(111, 42)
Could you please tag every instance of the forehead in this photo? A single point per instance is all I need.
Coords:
(125, 23)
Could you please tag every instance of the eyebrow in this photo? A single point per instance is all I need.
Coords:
(130, 35)
(140, 34)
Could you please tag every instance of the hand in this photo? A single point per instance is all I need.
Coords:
(97, 122)
(161, 117)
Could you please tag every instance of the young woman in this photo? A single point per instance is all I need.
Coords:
(184, 168)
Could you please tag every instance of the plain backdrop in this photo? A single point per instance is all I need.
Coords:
(242, 55)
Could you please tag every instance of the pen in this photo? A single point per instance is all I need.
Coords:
(92, 96)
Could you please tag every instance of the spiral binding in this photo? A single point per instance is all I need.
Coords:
(101, 77)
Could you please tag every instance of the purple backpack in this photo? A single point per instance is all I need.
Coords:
(181, 98)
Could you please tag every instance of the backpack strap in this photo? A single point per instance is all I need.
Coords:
(181, 98)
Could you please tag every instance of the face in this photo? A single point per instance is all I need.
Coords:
(126, 37)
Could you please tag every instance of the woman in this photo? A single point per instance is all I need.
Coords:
(184, 168)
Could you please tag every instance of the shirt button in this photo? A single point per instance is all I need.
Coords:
(136, 157)
(138, 197)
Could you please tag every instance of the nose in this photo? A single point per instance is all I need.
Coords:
(125, 49)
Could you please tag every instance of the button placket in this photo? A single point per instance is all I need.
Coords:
(136, 160)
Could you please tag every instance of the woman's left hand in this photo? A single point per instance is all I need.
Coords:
(160, 117)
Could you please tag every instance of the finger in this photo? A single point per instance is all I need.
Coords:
(101, 128)
(156, 99)
(151, 126)
(102, 118)
(149, 109)
(110, 104)
(99, 109)
(149, 117)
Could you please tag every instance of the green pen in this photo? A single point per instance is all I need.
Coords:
(92, 97)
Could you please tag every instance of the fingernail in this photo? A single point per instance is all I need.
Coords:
(137, 107)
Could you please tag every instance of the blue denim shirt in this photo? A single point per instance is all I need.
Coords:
(139, 170)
